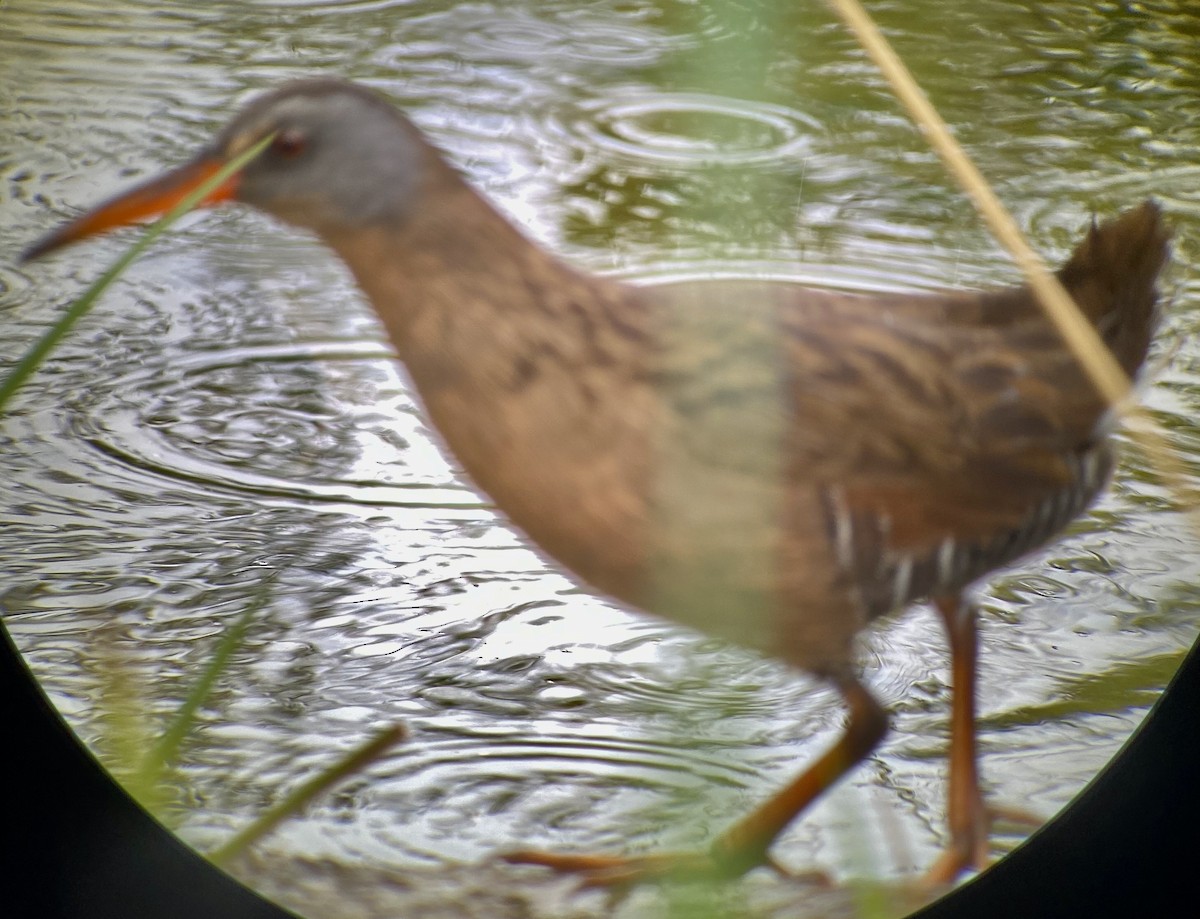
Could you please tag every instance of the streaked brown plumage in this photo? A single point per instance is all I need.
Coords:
(773, 464)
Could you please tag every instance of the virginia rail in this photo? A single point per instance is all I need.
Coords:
(773, 464)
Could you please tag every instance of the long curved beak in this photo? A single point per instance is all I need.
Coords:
(143, 202)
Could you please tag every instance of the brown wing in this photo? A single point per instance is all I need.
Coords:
(949, 434)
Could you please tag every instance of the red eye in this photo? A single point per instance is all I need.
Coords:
(288, 144)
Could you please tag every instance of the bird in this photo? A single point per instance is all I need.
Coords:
(774, 464)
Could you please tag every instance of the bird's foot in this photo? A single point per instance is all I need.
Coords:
(615, 872)
(1016, 816)
(968, 849)
(611, 871)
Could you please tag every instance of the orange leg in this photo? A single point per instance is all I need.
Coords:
(968, 816)
(745, 845)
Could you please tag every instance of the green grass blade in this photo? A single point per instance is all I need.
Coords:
(164, 751)
(299, 798)
(33, 358)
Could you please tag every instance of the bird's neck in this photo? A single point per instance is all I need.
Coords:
(466, 296)
(531, 372)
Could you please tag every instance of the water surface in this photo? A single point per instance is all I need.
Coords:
(229, 414)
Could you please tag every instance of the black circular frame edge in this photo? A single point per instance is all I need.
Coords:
(78, 847)
(75, 845)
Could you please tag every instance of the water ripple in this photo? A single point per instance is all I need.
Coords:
(318, 422)
(552, 36)
(681, 129)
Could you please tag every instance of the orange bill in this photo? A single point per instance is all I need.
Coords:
(144, 202)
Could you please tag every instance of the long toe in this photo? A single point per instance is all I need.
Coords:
(610, 871)
(969, 849)
(956, 859)
(1015, 816)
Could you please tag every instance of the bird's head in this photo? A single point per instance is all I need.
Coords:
(339, 157)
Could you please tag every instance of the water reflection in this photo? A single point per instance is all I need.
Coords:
(229, 414)
(272, 421)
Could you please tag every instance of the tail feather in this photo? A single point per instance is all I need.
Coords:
(1113, 277)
